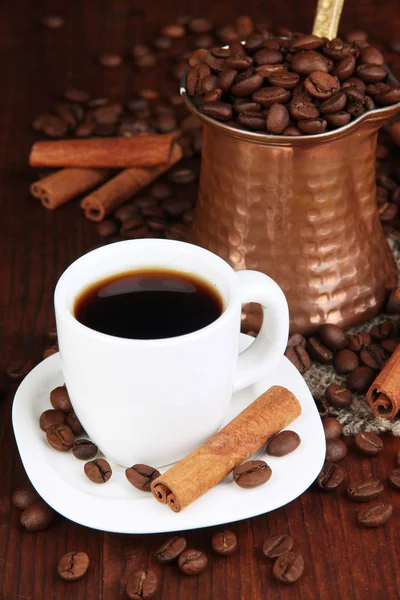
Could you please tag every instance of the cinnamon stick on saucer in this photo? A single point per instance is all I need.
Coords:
(123, 186)
(142, 150)
(236, 442)
(65, 185)
(384, 393)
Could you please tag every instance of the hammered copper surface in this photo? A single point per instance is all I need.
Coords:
(302, 210)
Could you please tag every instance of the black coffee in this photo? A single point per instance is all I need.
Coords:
(148, 304)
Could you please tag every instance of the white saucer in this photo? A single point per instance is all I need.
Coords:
(117, 506)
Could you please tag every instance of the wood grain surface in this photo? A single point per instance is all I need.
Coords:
(342, 560)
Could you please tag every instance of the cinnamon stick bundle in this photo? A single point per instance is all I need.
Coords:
(236, 442)
(65, 185)
(123, 186)
(384, 393)
(142, 150)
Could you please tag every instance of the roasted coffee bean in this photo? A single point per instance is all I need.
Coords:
(365, 490)
(394, 478)
(110, 60)
(322, 405)
(306, 42)
(200, 25)
(252, 473)
(300, 93)
(170, 550)
(382, 331)
(371, 56)
(254, 42)
(160, 191)
(162, 42)
(360, 380)
(241, 105)
(192, 562)
(312, 126)
(373, 356)
(252, 120)
(345, 361)
(23, 497)
(226, 79)
(50, 125)
(358, 341)
(333, 336)
(268, 96)
(289, 567)
(16, 372)
(141, 476)
(198, 56)
(308, 61)
(277, 119)
(84, 449)
(244, 26)
(174, 31)
(98, 471)
(165, 123)
(267, 56)
(368, 443)
(277, 545)
(51, 417)
(318, 351)
(195, 77)
(330, 477)
(37, 516)
(298, 357)
(296, 340)
(209, 83)
(336, 49)
(177, 232)
(354, 94)
(332, 428)
(73, 423)
(128, 211)
(107, 228)
(345, 68)
(375, 514)
(335, 450)
(217, 110)
(60, 437)
(204, 40)
(239, 62)
(321, 85)
(355, 109)
(132, 224)
(142, 585)
(284, 79)
(177, 206)
(338, 119)
(182, 176)
(213, 96)
(301, 110)
(224, 542)
(334, 104)
(338, 396)
(247, 83)
(283, 443)
(371, 73)
(390, 345)
(388, 96)
(73, 565)
(59, 399)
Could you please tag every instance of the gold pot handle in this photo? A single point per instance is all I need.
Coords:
(327, 17)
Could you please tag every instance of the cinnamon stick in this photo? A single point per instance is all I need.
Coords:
(142, 150)
(65, 185)
(123, 186)
(236, 442)
(384, 393)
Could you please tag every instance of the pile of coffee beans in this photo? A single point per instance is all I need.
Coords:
(36, 515)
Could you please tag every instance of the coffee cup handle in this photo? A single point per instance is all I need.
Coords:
(267, 349)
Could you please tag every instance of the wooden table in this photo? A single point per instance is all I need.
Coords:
(342, 560)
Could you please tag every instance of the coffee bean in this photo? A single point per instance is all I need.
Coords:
(84, 449)
(59, 399)
(17, 372)
(371, 73)
(312, 126)
(159, 191)
(182, 176)
(360, 380)
(60, 437)
(110, 60)
(277, 118)
(394, 478)
(277, 545)
(368, 443)
(382, 331)
(195, 77)
(244, 26)
(98, 471)
(306, 42)
(284, 80)
(37, 516)
(308, 61)
(338, 119)
(376, 514)
(289, 567)
(296, 340)
(301, 110)
(217, 110)
(336, 49)
(345, 361)
(73, 423)
(330, 477)
(224, 542)
(322, 406)
(170, 550)
(252, 120)
(142, 585)
(51, 417)
(345, 68)
(141, 476)
(226, 79)
(390, 345)
(252, 473)
(358, 341)
(318, 351)
(253, 43)
(268, 96)
(298, 357)
(73, 565)
(321, 85)
(107, 228)
(162, 42)
(332, 428)
(247, 83)
(283, 443)
(200, 25)
(23, 497)
(335, 450)
(192, 562)
(50, 125)
(364, 490)
(334, 104)
(338, 396)
(333, 336)
(53, 22)
(393, 303)
(373, 356)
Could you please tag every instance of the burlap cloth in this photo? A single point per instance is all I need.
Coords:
(357, 416)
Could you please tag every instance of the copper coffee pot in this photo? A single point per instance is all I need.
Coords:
(301, 209)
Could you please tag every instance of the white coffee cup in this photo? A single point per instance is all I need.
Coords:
(154, 401)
